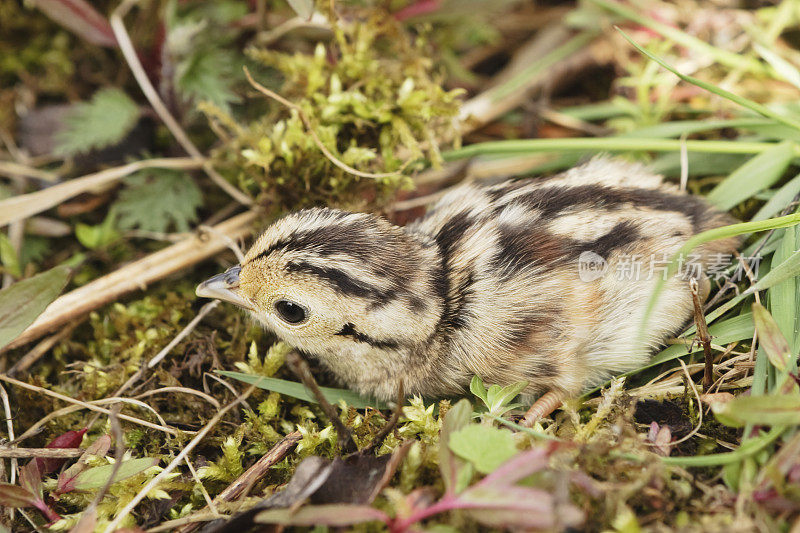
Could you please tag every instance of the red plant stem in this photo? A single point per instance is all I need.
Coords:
(448, 502)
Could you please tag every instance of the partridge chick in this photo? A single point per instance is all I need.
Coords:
(519, 281)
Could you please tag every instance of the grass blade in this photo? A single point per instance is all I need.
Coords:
(299, 391)
(759, 173)
(735, 98)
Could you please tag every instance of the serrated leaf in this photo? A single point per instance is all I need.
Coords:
(22, 302)
(486, 447)
(771, 338)
(766, 410)
(97, 477)
(156, 200)
(299, 391)
(15, 496)
(209, 74)
(103, 121)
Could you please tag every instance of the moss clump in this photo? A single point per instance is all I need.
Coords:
(374, 100)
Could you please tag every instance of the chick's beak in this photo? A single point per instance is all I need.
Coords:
(224, 287)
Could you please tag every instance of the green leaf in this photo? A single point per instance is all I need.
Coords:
(735, 98)
(766, 410)
(757, 174)
(455, 472)
(97, 477)
(783, 297)
(499, 398)
(771, 338)
(299, 391)
(9, 257)
(477, 388)
(486, 447)
(157, 199)
(785, 70)
(779, 200)
(104, 121)
(22, 302)
(98, 236)
(785, 270)
(210, 74)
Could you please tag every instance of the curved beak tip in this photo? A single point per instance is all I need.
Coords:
(223, 287)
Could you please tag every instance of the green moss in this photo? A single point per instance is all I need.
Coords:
(375, 101)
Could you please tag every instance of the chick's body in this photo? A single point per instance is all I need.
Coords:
(489, 282)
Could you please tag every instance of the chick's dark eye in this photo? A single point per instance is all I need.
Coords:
(291, 312)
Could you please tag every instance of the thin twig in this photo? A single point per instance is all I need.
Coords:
(25, 205)
(132, 58)
(232, 246)
(86, 405)
(39, 350)
(207, 308)
(10, 429)
(134, 276)
(333, 159)
(46, 453)
(186, 390)
(391, 423)
(176, 461)
(206, 496)
(300, 368)
(252, 475)
(9, 168)
(699, 407)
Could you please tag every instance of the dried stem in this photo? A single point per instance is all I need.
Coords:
(86, 405)
(36, 353)
(252, 475)
(300, 368)
(135, 276)
(129, 52)
(702, 336)
(47, 453)
(25, 205)
(176, 461)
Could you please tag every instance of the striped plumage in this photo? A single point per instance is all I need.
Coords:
(486, 283)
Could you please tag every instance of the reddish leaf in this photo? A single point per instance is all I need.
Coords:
(517, 468)
(70, 439)
(14, 496)
(329, 515)
(80, 18)
(30, 479)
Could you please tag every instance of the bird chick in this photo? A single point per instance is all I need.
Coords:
(518, 281)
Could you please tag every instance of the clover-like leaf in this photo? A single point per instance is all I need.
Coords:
(486, 447)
